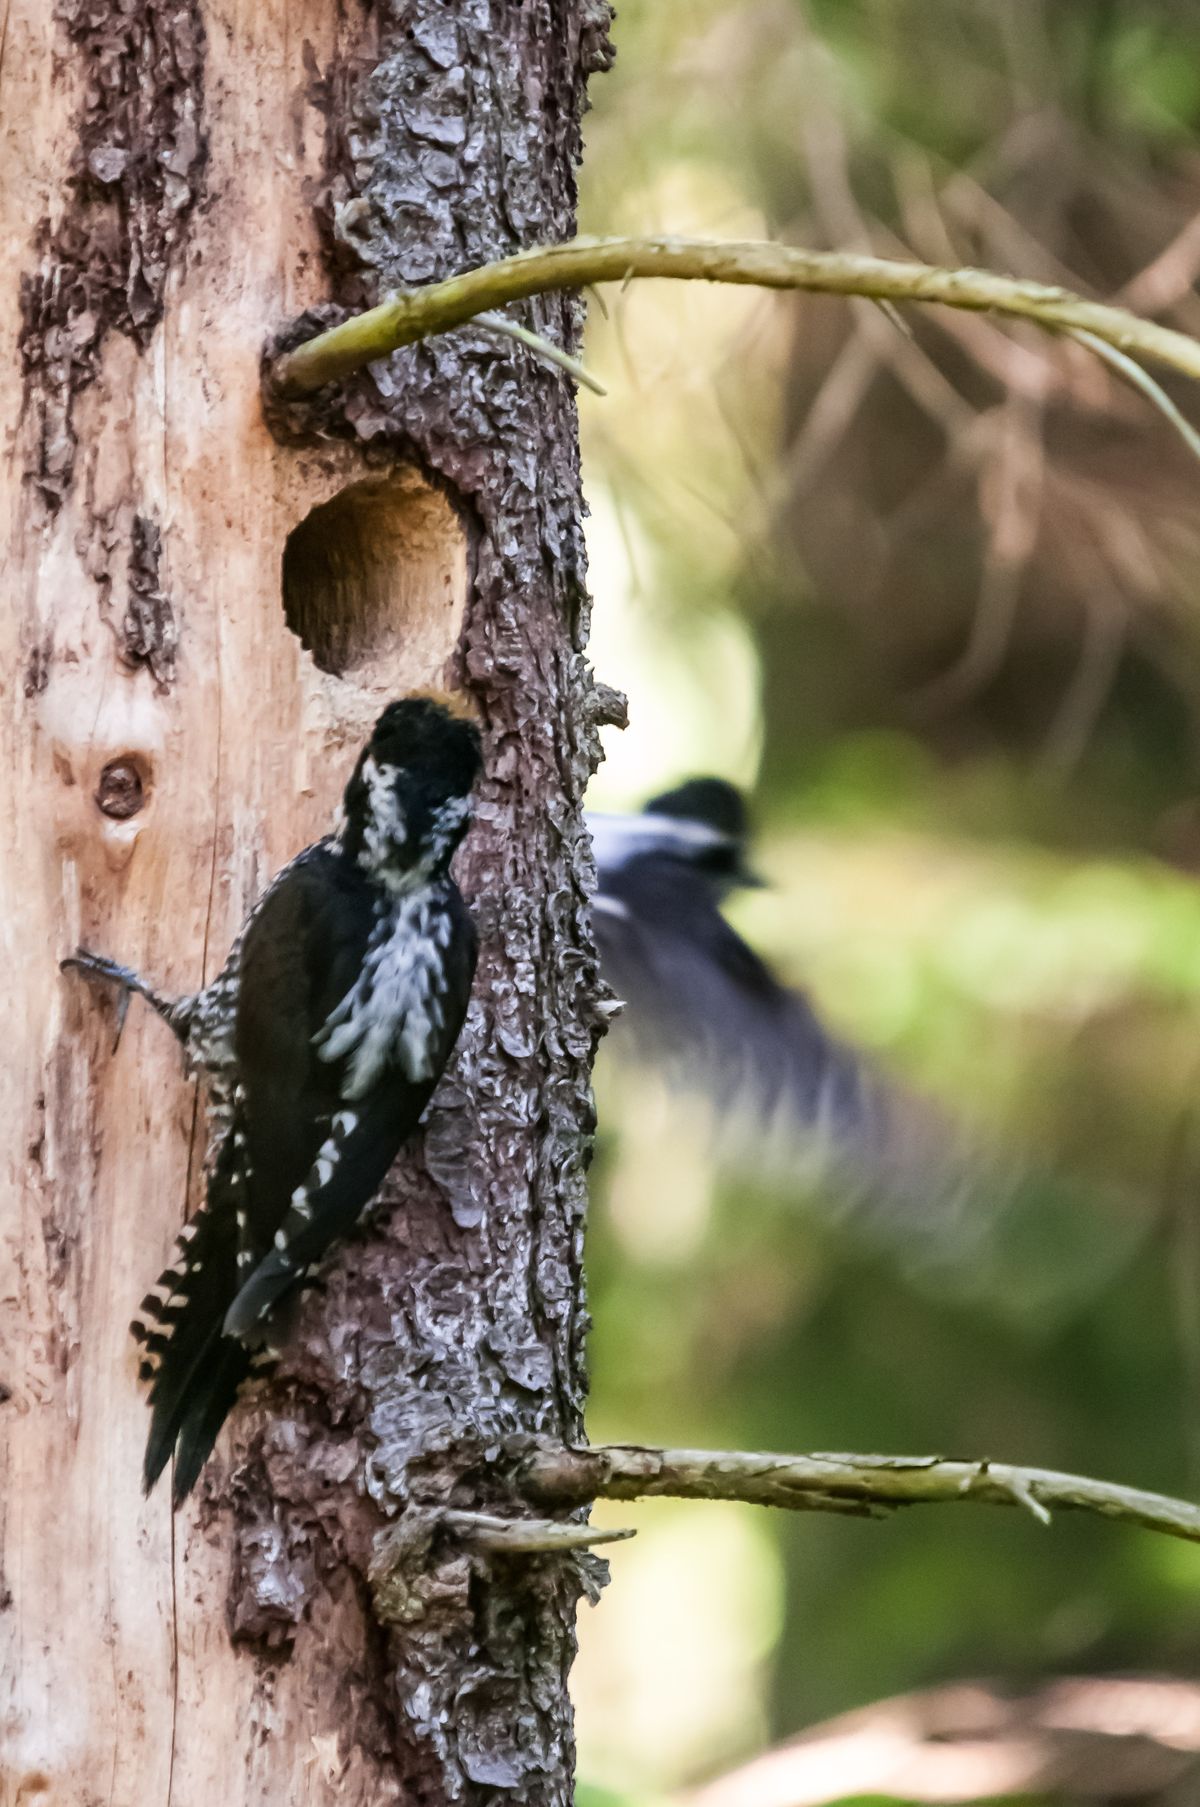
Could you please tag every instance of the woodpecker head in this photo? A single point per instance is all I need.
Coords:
(407, 806)
(714, 813)
(701, 825)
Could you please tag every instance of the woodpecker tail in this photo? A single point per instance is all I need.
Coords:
(193, 1372)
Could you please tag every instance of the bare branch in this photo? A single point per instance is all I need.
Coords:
(1142, 381)
(409, 1576)
(526, 1536)
(868, 1486)
(541, 348)
(1078, 1738)
(414, 314)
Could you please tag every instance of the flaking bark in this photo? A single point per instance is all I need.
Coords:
(134, 182)
(324, 157)
(469, 1320)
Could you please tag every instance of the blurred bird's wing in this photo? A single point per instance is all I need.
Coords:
(789, 1101)
(794, 1107)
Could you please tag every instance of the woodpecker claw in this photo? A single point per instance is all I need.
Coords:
(96, 966)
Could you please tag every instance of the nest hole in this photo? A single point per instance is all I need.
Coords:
(375, 581)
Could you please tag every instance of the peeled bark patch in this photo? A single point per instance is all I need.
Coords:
(103, 265)
(453, 1324)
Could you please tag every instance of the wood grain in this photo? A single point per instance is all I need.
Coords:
(115, 1661)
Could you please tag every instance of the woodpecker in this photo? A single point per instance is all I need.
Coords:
(321, 1041)
(705, 1012)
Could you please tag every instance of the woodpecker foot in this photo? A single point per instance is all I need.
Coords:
(96, 966)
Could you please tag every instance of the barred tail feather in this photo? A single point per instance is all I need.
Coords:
(205, 1407)
(193, 1371)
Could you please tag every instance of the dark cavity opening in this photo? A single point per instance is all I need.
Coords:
(374, 581)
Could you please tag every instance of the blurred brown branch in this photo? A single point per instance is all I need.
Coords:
(1085, 1739)
(865, 1486)
(413, 314)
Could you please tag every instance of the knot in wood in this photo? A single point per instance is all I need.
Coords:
(120, 792)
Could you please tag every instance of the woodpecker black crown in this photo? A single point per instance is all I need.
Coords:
(405, 805)
(434, 735)
(714, 804)
(713, 801)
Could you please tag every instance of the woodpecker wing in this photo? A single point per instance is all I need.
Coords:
(349, 1168)
(193, 1370)
(299, 957)
(709, 1013)
(345, 1022)
(710, 1016)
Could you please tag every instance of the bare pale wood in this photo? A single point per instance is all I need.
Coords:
(115, 1664)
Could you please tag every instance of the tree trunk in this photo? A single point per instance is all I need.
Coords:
(203, 615)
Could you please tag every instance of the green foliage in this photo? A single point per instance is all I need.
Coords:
(587, 1794)
(991, 890)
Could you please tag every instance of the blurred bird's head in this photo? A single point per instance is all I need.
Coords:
(701, 824)
(717, 810)
(407, 805)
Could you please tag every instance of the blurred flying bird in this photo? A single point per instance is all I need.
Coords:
(703, 1010)
(795, 1108)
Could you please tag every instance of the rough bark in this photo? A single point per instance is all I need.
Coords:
(202, 617)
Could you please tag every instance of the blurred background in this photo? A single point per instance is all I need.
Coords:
(930, 589)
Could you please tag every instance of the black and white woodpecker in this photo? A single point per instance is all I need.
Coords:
(321, 1041)
(704, 1012)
